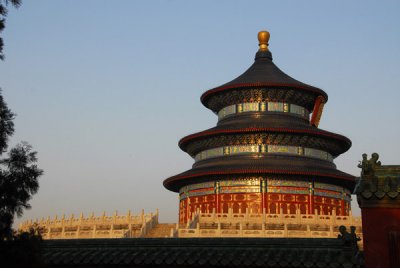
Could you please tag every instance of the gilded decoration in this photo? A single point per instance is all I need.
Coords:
(263, 94)
(287, 190)
(246, 189)
(327, 186)
(268, 185)
(263, 38)
(283, 182)
(299, 140)
(327, 193)
(241, 182)
(263, 149)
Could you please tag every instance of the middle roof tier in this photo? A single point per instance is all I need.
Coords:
(258, 132)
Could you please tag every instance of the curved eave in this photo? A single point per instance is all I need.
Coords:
(175, 182)
(206, 95)
(211, 132)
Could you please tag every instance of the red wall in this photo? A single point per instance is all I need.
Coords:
(378, 225)
(256, 202)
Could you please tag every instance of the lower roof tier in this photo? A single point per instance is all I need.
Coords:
(270, 185)
(289, 166)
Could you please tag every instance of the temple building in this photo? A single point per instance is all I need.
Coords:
(264, 173)
(266, 155)
(266, 169)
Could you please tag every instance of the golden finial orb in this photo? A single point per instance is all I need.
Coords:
(263, 38)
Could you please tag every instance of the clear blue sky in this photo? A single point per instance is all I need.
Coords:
(104, 90)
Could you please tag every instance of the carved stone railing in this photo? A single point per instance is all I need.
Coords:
(267, 225)
(175, 232)
(149, 224)
(281, 231)
(297, 218)
(116, 226)
(194, 221)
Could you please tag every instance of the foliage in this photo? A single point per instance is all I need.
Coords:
(18, 174)
(18, 171)
(18, 182)
(3, 14)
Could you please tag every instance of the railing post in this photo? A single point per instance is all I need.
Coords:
(263, 216)
(334, 217)
(78, 231)
(111, 230)
(350, 217)
(156, 219)
(94, 231)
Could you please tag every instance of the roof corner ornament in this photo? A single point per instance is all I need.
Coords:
(372, 186)
(368, 185)
(368, 166)
(263, 39)
(351, 238)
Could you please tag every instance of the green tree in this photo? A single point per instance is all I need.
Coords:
(3, 15)
(18, 174)
(18, 171)
(18, 182)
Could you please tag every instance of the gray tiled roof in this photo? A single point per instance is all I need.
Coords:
(203, 252)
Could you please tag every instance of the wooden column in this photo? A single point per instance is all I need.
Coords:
(311, 198)
(263, 191)
(343, 207)
(217, 197)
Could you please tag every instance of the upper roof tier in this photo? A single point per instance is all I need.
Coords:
(262, 74)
